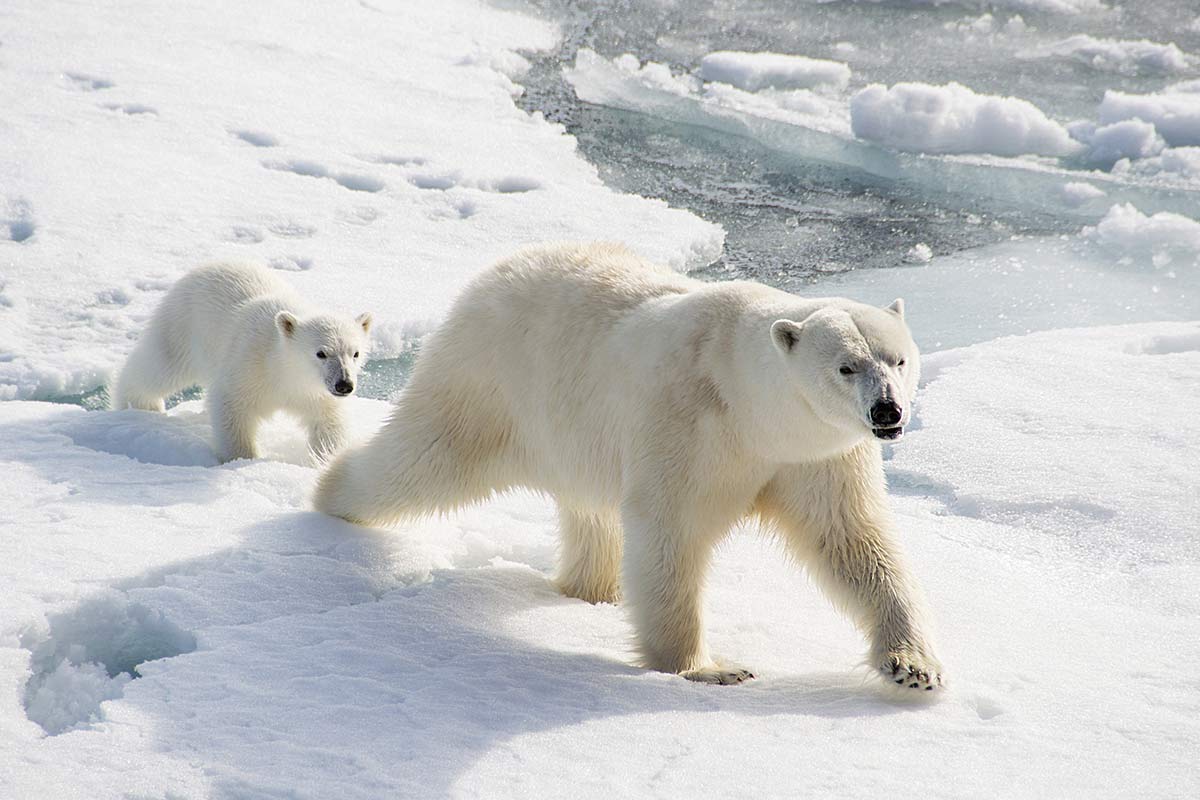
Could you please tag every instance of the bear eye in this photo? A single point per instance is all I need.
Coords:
(321, 354)
(356, 354)
(846, 370)
(900, 363)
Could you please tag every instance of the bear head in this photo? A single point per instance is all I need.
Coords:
(325, 348)
(855, 365)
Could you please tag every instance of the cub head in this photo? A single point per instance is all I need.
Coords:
(327, 348)
(857, 366)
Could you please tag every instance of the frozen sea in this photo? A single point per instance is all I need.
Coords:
(1025, 173)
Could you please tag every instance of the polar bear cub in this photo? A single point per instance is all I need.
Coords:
(659, 411)
(247, 337)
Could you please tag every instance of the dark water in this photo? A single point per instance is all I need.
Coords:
(790, 219)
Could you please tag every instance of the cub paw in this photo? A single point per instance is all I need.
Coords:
(911, 671)
(723, 676)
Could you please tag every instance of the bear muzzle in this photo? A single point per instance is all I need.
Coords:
(886, 420)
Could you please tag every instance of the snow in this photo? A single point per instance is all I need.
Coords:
(921, 118)
(754, 71)
(1175, 111)
(1127, 57)
(173, 627)
(267, 134)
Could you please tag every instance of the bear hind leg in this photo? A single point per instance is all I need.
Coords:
(427, 459)
(146, 379)
(590, 556)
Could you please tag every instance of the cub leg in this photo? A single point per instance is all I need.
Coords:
(147, 378)
(234, 426)
(326, 426)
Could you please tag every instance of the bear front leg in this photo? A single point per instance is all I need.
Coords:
(326, 432)
(234, 427)
(833, 516)
(665, 561)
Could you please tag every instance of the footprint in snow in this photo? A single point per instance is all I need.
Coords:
(311, 169)
(131, 109)
(507, 184)
(16, 221)
(291, 263)
(442, 180)
(87, 83)
(245, 234)
(255, 138)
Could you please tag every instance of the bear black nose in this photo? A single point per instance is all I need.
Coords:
(885, 414)
(343, 387)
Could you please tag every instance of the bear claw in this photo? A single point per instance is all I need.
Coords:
(903, 673)
(720, 676)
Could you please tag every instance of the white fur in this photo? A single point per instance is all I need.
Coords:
(244, 334)
(658, 411)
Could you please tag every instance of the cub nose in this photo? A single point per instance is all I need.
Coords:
(343, 387)
(885, 414)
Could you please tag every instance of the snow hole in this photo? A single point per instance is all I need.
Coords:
(87, 655)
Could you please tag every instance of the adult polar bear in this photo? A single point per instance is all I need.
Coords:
(658, 411)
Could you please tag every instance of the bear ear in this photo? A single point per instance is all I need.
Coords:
(287, 322)
(786, 334)
(364, 319)
(897, 307)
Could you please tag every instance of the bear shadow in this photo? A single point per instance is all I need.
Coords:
(311, 631)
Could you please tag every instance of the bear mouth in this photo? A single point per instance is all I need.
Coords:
(888, 434)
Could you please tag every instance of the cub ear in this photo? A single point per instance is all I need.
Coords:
(286, 322)
(786, 334)
(897, 307)
(364, 319)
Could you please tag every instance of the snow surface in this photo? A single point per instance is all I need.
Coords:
(172, 627)
(921, 118)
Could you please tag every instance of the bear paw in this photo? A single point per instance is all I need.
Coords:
(723, 676)
(911, 671)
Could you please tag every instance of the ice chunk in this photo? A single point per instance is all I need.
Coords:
(754, 71)
(1175, 111)
(921, 118)
(1129, 138)
(1077, 193)
(1180, 164)
(919, 253)
(1046, 6)
(1127, 57)
(653, 75)
(1165, 237)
